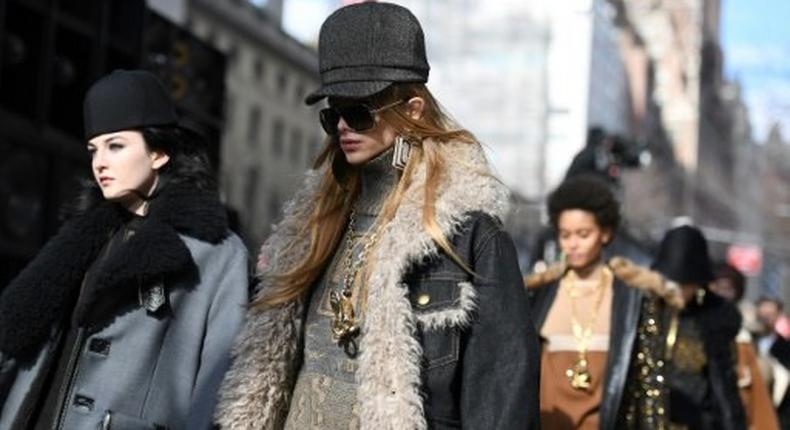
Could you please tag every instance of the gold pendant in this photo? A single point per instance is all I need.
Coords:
(579, 375)
(344, 321)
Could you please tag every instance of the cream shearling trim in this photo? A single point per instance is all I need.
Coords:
(550, 274)
(251, 396)
(631, 274)
(647, 280)
(256, 390)
(458, 315)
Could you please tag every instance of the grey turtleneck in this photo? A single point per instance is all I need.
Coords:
(324, 396)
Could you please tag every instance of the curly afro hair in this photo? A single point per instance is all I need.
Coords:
(587, 193)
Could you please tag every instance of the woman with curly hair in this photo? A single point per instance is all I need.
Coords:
(602, 323)
(391, 296)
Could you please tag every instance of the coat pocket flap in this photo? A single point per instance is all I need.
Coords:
(431, 295)
(118, 421)
(442, 304)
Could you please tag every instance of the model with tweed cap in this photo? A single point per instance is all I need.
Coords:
(391, 296)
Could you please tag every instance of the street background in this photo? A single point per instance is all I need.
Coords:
(682, 104)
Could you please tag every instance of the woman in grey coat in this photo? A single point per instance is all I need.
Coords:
(125, 318)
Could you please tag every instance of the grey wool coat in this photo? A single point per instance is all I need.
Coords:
(154, 327)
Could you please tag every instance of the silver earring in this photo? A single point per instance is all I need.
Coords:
(400, 155)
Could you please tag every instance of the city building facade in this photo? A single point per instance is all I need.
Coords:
(270, 137)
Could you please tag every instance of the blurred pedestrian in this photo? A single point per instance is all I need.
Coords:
(702, 375)
(774, 348)
(603, 323)
(730, 284)
(125, 318)
(391, 295)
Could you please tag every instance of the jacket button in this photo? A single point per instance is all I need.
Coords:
(106, 421)
(423, 299)
(99, 346)
(83, 403)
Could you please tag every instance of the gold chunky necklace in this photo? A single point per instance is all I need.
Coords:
(345, 325)
(579, 373)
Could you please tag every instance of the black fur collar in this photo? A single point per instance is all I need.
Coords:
(44, 293)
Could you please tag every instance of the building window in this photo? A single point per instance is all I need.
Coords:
(257, 68)
(228, 111)
(274, 206)
(311, 150)
(232, 54)
(318, 144)
(296, 146)
(251, 191)
(253, 126)
(282, 82)
(211, 36)
(278, 134)
(300, 92)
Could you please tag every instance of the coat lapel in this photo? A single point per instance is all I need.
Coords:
(39, 296)
(624, 320)
(541, 300)
(46, 290)
(153, 254)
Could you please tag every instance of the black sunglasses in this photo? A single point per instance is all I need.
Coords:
(360, 116)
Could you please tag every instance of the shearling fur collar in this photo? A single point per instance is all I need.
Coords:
(256, 391)
(44, 292)
(633, 275)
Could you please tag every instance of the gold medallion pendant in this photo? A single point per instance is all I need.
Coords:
(344, 321)
(579, 375)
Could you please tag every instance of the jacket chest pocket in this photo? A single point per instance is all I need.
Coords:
(438, 306)
(440, 347)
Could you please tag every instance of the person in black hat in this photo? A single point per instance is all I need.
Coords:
(125, 318)
(391, 296)
(702, 374)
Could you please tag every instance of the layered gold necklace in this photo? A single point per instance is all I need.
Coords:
(579, 373)
(345, 321)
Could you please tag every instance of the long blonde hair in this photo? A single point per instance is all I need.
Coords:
(340, 186)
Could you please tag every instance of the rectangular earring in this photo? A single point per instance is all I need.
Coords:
(401, 152)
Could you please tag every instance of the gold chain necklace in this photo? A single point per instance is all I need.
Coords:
(345, 326)
(579, 373)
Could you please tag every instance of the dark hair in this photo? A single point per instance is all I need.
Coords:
(188, 164)
(587, 193)
(769, 299)
(726, 271)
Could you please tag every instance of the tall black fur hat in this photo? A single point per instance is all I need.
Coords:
(683, 256)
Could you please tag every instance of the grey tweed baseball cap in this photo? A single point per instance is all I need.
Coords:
(364, 48)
